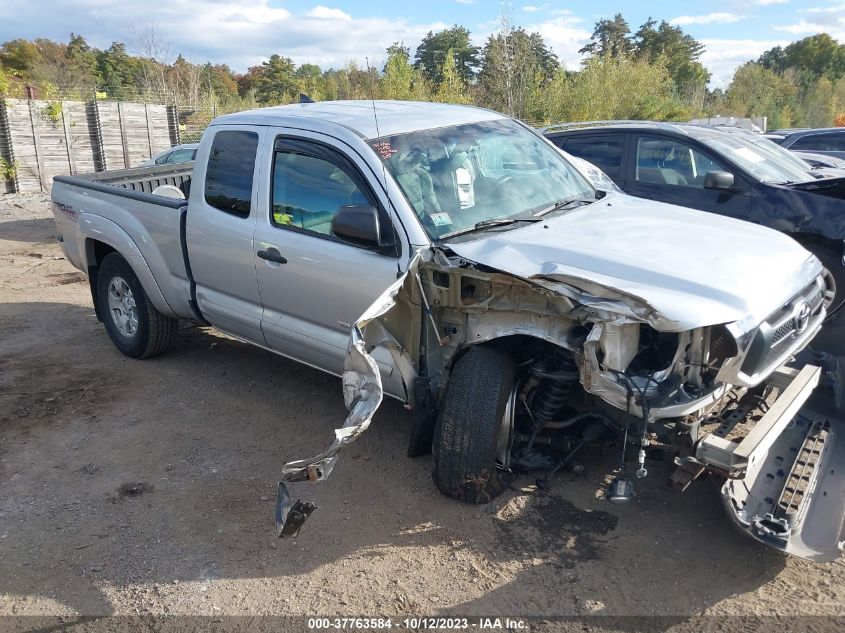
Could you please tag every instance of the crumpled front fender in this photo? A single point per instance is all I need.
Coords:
(362, 393)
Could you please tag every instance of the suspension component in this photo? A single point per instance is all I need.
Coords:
(558, 375)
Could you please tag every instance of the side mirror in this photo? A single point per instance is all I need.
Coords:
(358, 225)
(718, 180)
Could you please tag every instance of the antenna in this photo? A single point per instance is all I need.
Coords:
(383, 168)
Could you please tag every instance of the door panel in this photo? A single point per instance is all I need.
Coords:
(220, 231)
(668, 170)
(311, 301)
(324, 285)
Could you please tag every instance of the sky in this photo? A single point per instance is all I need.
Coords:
(243, 33)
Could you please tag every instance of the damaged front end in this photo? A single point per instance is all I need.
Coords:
(581, 346)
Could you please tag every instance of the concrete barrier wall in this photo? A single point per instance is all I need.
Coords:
(40, 139)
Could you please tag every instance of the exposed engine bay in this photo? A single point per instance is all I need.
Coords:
(596, 367)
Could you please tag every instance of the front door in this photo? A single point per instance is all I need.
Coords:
(668, 170)
(313, 285)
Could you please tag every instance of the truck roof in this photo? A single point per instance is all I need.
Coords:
(394, 117)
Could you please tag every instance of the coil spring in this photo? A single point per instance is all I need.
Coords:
(554, 388)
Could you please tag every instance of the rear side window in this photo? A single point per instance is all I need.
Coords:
(228, 177)
(181, 156)
(605, 151)
(832, 142)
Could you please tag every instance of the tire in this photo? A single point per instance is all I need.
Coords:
(149, 333)
(469, 423)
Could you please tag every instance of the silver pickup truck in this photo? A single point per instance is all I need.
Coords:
(452, 258)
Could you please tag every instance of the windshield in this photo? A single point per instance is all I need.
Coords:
(758, 155)
(457, 177)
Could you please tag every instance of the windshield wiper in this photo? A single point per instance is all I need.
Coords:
(503, 222)
(562, 204)
(486, 224)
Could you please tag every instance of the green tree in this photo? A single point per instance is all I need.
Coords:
(398, 76)
(81, 56)
(220, 81)
(820, 104)
(434, 47)
(117, 69)
(20, 57)
(451, 88)
(309, 79)
(680, 53)
(613, 88)
(515, 68)
(275, 82)
(610, 37)
(813, 57)
(759, 91)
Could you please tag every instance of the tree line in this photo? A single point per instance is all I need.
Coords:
(653, 72)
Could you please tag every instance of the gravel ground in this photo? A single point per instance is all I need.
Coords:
(147, 487)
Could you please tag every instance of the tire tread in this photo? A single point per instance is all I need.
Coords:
(468, 425)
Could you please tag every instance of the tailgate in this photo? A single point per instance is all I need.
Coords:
(786, 475)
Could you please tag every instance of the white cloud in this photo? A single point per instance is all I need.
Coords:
(240, 33)
(533, 8)
(564, 35)
(834, 8)
(710, 18)
(766, 3)
(722, 57)
(798, 28)
(325, 13)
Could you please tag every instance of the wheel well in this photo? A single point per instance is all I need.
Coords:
(96, 252)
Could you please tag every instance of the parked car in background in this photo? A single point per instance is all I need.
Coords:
(184, 153)
(821, 161)
(830, 141)
(723, 170)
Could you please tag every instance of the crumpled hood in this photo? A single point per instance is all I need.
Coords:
(691, 268)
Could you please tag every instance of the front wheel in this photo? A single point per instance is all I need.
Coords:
(474, 425)
(133, 324)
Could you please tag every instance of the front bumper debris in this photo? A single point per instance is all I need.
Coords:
(786, 477)
(362, 393)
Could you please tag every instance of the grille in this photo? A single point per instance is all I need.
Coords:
(778, 332)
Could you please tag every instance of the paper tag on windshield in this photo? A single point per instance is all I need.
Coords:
(441, 219)
(749, 155)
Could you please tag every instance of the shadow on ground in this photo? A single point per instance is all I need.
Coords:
(119, 473)
(37, 231)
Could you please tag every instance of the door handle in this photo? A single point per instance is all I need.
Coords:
(272, 255)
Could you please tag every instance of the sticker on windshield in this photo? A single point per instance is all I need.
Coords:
(441, 219)
(384, 149)
(749, 155)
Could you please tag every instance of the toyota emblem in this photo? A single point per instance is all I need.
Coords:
(801, 318)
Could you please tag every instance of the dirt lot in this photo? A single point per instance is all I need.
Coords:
(147, 487)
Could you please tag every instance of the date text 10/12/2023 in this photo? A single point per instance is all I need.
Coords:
(417, 623)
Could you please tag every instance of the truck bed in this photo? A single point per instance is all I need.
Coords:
(138, 179)
(120, 204)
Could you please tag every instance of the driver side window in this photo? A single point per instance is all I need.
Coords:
(308, 191)
(666, 162)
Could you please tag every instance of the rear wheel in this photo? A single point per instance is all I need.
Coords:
(472, 435)
(133, 324)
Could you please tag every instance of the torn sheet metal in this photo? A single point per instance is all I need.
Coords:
(362, 394)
